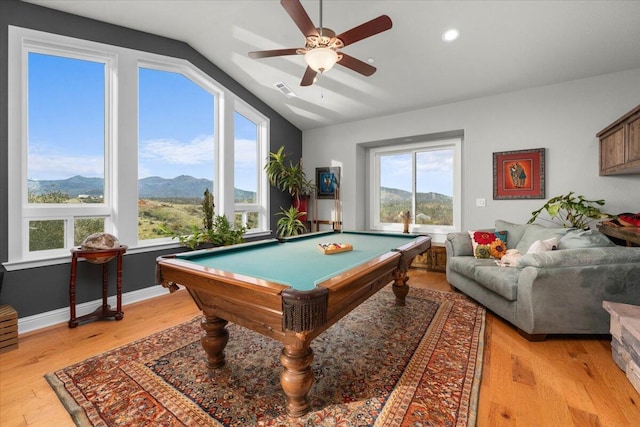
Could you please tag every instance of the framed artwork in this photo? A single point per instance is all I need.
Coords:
(327, 182)
(518, 174)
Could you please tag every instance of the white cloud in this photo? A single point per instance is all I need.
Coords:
(199, 150)
(55, 166)
(245, 153)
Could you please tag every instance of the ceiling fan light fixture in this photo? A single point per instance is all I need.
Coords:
(321, 59)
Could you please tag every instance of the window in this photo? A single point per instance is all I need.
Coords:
(67, 149)
(421, 178)
(104, 138)
(249, 183)
(176, 149)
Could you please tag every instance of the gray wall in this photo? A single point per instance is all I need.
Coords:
(38, 290)
(563, 118)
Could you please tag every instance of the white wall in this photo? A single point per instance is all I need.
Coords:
(563, 118)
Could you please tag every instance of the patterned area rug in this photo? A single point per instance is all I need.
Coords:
(381, 365)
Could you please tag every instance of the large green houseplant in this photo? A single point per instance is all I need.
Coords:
(290, 177)
(571, 210)
(290, 222)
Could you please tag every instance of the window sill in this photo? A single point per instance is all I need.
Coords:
(64, 259)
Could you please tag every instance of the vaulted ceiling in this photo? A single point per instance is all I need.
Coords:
(503, 46)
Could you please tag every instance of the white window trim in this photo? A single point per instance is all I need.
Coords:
(121, 158)
(437, 231)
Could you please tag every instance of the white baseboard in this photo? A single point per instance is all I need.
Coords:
(61, 315)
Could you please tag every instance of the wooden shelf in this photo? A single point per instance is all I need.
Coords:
(620, 145)
(631, 235)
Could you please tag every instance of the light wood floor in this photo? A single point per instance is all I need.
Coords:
(563, 381)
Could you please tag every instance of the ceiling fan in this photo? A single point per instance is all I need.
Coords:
(322, 47)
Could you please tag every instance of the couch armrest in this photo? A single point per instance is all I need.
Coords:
(581, 257)
(459, 244)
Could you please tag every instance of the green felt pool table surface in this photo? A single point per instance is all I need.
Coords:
(297, 262)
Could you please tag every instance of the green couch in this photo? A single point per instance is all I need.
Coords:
(554, 292)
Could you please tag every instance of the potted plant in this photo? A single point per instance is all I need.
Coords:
(215, 231)
(571, 211)
(290, 223)
(290, 177)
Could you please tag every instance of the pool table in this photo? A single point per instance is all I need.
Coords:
(289, 290)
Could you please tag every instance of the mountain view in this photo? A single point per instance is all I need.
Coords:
(181, 187)
(188, 187)
(161, 199)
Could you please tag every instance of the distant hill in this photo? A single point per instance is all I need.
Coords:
(185, 186)
(390, 195)
(154, 187)
(74, 186)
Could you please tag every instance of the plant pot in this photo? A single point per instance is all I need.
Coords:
(302, 205)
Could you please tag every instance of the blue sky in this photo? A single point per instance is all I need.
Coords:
(176, 124)
(434, 171)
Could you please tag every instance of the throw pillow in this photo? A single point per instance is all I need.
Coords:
(543, 245)
(514, 231)
(538, 232)
(488, 244)
(584, 239)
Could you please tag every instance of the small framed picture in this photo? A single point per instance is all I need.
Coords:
(327, 182)
(518, 174)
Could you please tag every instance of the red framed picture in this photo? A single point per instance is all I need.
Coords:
(518, 174)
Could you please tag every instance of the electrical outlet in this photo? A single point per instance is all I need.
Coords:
(481, 202)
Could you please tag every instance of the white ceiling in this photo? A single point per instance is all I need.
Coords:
(503, 46)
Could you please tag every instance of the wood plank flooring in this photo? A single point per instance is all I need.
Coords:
(563, 381)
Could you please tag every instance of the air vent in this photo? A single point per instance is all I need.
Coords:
(285, 89)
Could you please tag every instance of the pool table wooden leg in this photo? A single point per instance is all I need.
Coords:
(215, 340)
(400, 287)
(296, 378)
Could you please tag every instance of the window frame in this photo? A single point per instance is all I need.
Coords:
(121, 145)
(262, 186)
(206, 83)
(374, 155)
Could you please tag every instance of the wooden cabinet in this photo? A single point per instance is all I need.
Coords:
(620, 145)
(434, 259)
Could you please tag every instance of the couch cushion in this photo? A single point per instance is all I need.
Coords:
(501, 280)
(537, 232)
(466, 265)
(514, 231)
(460, 244)
(584, 239)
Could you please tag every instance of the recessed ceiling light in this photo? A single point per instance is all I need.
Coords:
(371, 60)
(450, 35)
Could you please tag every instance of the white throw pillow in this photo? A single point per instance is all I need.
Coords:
(543, 245)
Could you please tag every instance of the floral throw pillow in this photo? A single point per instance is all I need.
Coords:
(489, 244)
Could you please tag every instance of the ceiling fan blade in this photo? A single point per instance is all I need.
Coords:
(300, 17)
(309, 77)
(368, 29)
(270, 53)
(356, 65)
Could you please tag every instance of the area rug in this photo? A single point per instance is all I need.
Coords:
(381, 365)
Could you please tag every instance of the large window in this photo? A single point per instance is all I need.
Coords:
(110, 139)
(176, 161)
(420, 178)
(67, 148)
(249, 183)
